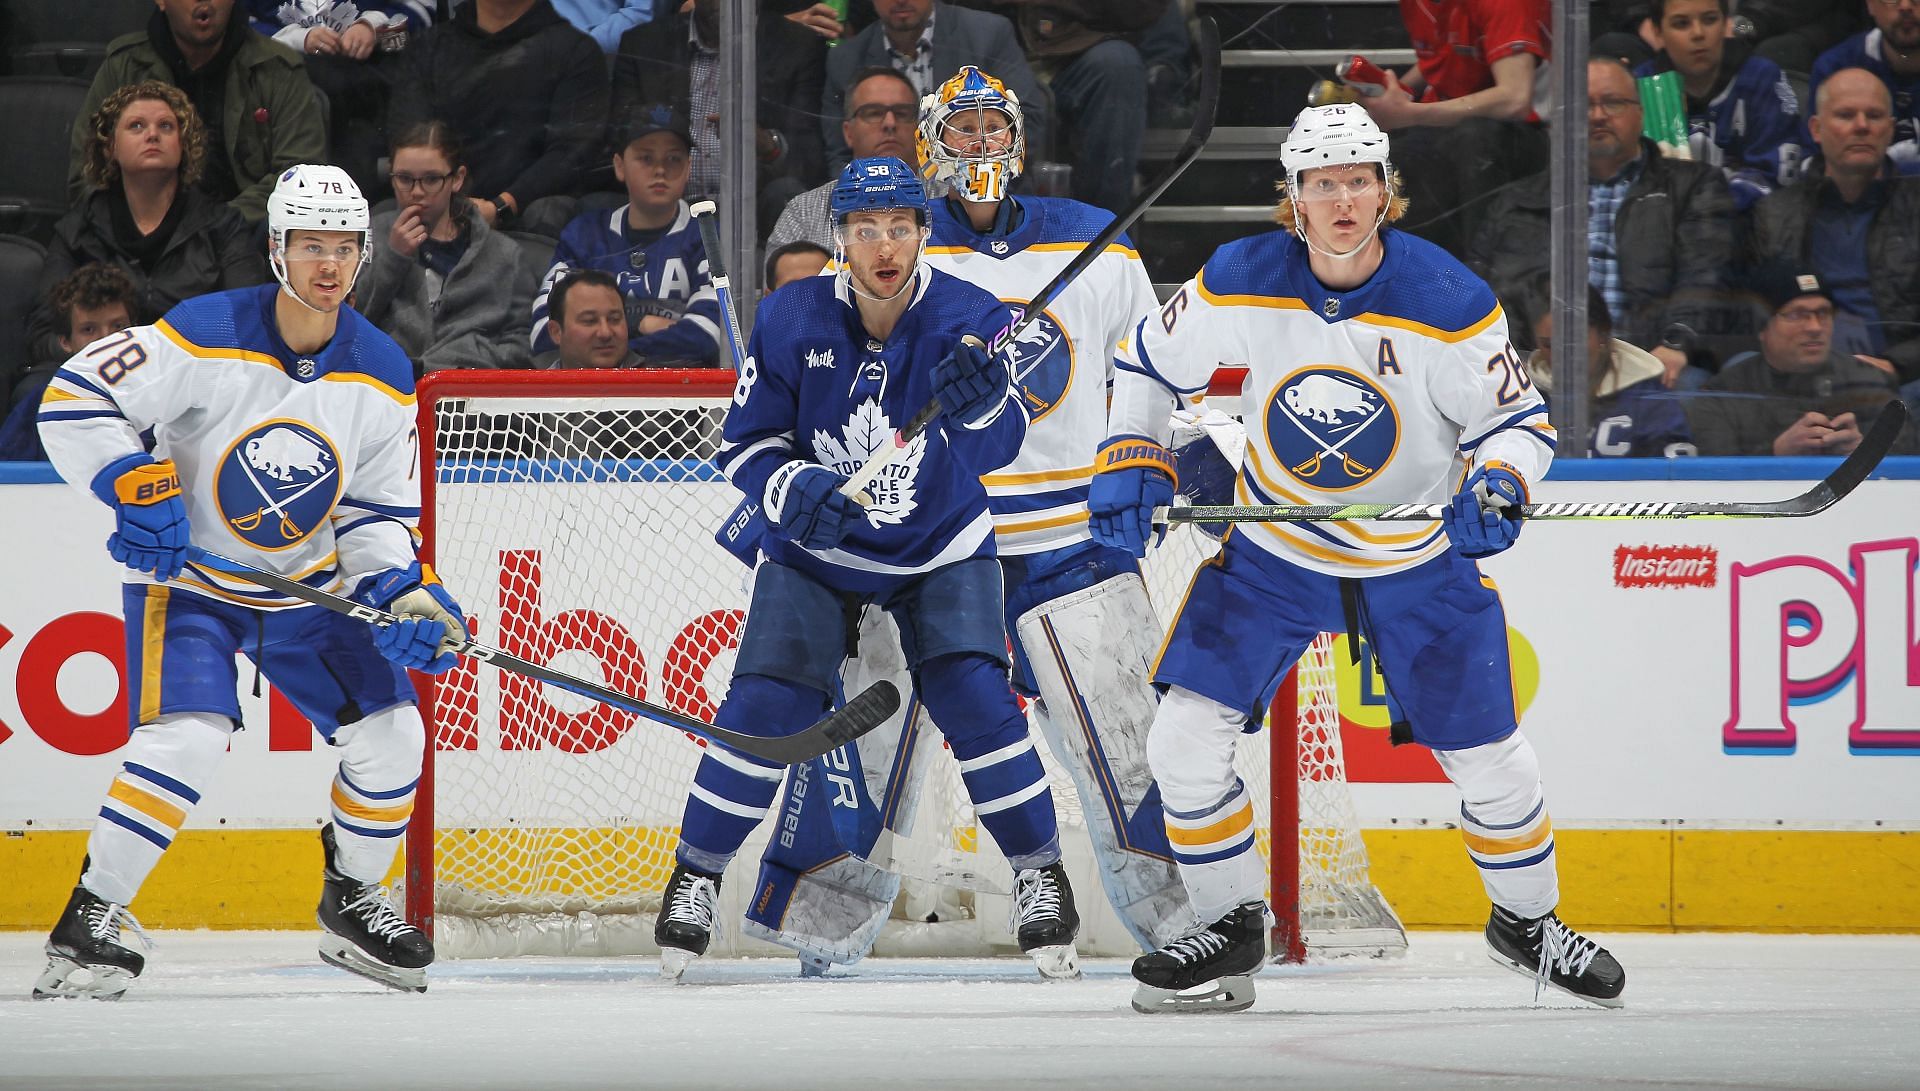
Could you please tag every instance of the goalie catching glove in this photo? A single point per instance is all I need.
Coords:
(1132, 475)
(150, 519)
(430, 625)
(808, 508)
(1484, 516)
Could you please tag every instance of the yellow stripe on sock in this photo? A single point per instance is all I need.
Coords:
(353, 808)
(1230, 826)
(147, 803)
(1494, 846)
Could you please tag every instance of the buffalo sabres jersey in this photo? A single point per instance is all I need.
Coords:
(661, 274)
(1376, 395)
(1062, 363)
(303, 465)
(818, 388)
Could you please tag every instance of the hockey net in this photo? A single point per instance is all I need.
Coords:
(572, 514)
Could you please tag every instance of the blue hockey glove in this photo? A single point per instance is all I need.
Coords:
(1478, 519)
(740, 535)
(1132, 476)
(813, 513)
(431, 624)
(970, 384)
(150, 532)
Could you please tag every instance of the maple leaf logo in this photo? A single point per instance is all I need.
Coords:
(867, 431)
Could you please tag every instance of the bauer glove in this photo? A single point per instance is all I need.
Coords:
(812, 512)
(430, 624)
(971, 385)
(1132, 475)
(1484, 516)
(150, 516)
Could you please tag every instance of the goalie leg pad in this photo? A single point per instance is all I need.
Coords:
(1503, 817)
(1089, 653)
(168, 764)
(372, 796)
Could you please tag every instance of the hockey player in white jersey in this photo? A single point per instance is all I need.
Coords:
(282, 434)
(1083, 631)
(1379, 370)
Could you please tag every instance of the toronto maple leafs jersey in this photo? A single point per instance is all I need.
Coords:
(817, 387)
(303, 465)
(1383, 394)
(660, 273)
(1748, 126)
(1062, 363)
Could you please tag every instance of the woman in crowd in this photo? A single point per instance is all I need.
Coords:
(448, 288)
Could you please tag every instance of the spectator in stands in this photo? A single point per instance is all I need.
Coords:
(882, 113)
(1659, 231)
(1099, 85)
(87, 304)
(1792, 395)
(1742, 115)
(1793, 33)
(676, 60)
(1470, 101)
(1629, 412)
(1890, 51)
(1853, 221)
(527, 96)
(606, 20)
(445, 286)
(589, 323)
(928, 42)
(796, 260)
(650, 246)
(349, 47)
(145, 148)
(251, 92)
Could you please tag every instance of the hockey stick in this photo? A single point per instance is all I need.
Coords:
(855, 718)
(703, 215)
(892, 449)
(1877, 442)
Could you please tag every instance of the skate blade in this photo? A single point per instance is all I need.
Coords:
(1226, 994)
(674, 962)
(1057, 963)
(335, 951)
(1532, 974)
(63, 980)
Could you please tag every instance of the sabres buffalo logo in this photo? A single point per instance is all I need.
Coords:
(1332, 429)
(1042, 359)
(277, 483)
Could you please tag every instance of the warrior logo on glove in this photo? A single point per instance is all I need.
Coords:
(277, 483)
(1331, 428)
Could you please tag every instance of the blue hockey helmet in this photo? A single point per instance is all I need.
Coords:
(875, 183)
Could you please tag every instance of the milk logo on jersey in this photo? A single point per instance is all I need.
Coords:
(277, 484)
(819, 358)
(1042, 361)
(1332, 429)
(866, 431)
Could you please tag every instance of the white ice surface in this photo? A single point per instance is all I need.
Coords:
(257, 1009)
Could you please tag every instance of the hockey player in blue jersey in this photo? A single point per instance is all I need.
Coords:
(650, 245)
(1742, 115)
(1378, 368)
(1083, 630)
(282, 433)
(834, 365)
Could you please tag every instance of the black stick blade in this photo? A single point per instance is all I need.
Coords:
(871, 708)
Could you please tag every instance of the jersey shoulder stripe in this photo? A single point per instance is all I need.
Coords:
(1248, 270)
(236, 325)
(1432, 293)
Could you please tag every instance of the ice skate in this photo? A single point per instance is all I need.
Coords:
(364, 934)
(1045, 921)
(1548, 951)
(85, 957)
(685, 925)
(1225, 954)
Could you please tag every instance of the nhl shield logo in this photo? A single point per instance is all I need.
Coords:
(1331, 308)
(277, 483)
(1042, 359)
(1332, 429)
(304, 367)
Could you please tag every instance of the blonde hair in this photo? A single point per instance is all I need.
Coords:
(1283, 210)
(101, 169)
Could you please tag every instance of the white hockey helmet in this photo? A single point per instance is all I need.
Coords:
(1328, 136)
(314, 197)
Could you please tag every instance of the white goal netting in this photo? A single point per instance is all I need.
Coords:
(573, 516)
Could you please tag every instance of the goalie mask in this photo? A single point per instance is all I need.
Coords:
(1334, 136)
(972, 141)
(314, 197)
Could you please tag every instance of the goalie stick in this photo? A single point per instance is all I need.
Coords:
(891, 450)
(855, 718)
(1873, 447)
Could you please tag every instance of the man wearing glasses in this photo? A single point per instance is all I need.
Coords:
(882, 110)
